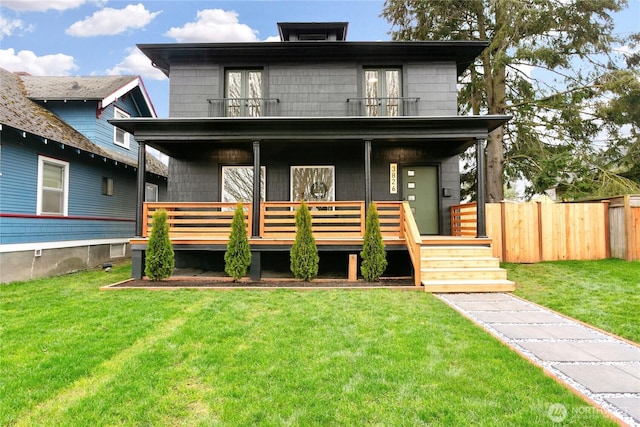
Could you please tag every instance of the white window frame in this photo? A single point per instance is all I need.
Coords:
(331, 196)
(155, 186)
(383, 104)
(121, 114)
(65, 185)
(263, 182)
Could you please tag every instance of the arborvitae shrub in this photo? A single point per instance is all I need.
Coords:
(237, 258)
(304, 252)
(159, 257)
(374, 257)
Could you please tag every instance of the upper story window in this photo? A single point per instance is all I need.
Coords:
(120, 137)
(243, 93)
(53, 187)
(382, 88)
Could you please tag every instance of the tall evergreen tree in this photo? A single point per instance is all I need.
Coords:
(374, 257)
(304, 252)
(237, 257)
(159, 256)
(554, 66)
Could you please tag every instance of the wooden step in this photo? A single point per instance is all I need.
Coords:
(455, 251)
(469, 285)
(460, 262)
(463, 273)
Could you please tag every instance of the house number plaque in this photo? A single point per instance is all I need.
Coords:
(393, 178)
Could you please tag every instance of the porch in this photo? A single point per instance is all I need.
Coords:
(439, 263)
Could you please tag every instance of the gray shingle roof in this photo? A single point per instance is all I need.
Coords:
(19, 112)
(68, 87)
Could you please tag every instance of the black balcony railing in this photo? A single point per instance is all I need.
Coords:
(243, 107)
(382, 107)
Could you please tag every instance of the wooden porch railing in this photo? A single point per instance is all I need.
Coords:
(463, 219)
(329, 220)
(413, 240)
(196, 220)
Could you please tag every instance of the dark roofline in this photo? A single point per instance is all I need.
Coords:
(462, 52)
(163, 134)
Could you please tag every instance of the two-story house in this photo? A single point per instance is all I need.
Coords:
(68, 178)
(335, 123)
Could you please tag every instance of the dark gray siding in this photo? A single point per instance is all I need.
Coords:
(197, 178)
(190, 88)
(313, 90)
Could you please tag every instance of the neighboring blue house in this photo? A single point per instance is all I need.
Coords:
(68, 178)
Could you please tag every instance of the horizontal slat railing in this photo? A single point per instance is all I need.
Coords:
(328, 219)
(196, 220)
(463, 219)
(391, 217)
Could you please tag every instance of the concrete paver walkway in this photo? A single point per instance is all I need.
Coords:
(602, 367)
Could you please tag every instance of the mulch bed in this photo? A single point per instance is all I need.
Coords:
(208, 282)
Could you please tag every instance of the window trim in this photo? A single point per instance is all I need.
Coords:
(65, 186)
(244, 91)
(382, 88)
(119, 113)
(332, 193)
(263, 179)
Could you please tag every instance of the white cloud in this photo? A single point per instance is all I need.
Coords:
(109, 21)
(47, 65)
(42, 5)
(214, 25)
(273, 39)
(136, 63)
(9, 26)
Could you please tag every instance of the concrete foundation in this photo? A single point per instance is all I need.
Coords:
(33, 264)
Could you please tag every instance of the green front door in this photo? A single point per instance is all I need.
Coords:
(420, 189)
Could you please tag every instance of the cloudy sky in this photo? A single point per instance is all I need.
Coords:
(99, 37)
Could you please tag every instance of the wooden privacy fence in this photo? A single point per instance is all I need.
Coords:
(533, 232)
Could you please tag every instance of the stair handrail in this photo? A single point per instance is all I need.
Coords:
(413, 241)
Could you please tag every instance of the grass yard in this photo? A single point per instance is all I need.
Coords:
(604, 293)
(73, 355)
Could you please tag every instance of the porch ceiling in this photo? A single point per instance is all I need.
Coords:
(171, 136)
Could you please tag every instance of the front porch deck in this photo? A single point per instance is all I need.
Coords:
(440, 263)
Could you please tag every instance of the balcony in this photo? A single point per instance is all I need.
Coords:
(243, 107)
(382, 107)
(270, 107)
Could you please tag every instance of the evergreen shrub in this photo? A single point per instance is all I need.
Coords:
(237, 257)
(159, 256)
(304, 252)
(374, 257)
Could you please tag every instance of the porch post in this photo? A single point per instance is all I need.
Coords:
(137, 255)
(142, 169)
(255, 226)
(367, 174)
(255, 269)
(481, 229)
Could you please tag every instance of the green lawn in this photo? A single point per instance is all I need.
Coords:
(75, 356)
(603, 293)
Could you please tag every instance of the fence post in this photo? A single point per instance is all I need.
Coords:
(607, 229)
